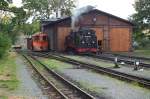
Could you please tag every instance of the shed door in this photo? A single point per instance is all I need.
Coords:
(62, 33)
(119, 39)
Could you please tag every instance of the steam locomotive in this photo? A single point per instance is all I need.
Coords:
(81, 41)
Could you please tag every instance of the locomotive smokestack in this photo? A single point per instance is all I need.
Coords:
(77, 13)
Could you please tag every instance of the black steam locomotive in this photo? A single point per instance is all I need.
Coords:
(81, 41)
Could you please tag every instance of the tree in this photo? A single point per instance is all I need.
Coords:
(31, 28)
(65, 6)
(44, 9)
(141, 19)
(3, 5)
(11, 19)
(4, 44)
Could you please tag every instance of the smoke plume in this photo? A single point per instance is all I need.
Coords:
(77, 13)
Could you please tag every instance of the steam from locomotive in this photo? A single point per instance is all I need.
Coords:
(76, 15)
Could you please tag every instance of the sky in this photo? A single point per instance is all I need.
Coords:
(120, 8)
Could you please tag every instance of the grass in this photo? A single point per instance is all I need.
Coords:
(8, 79)
(139, 53)
(54, 64)
(3, 97)
(92, 61)
(142, 53)
(89, 87)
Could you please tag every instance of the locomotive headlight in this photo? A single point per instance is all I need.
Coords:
(82, 42)
(93, 42)
(89, 33)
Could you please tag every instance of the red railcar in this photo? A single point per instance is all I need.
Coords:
(39, 42)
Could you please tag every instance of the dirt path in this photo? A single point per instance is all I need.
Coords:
(27, 89)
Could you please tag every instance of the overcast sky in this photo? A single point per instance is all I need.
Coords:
(121, 8)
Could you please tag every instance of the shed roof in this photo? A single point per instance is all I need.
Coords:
(54, 21)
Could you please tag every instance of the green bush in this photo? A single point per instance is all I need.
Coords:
(5, 44)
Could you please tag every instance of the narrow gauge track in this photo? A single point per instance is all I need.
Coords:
(56, 93)
(111, 58)
(127, 61)
(64, 89)
(123, 76)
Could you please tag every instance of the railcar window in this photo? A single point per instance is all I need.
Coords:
(41, 38)
(44, 38)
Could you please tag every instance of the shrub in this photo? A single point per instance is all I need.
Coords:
(5, 43)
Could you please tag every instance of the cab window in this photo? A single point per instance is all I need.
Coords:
(36, 38)
(44, 38)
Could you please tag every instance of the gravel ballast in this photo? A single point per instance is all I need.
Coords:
(105, 86)
(28, 89)
(101, 85)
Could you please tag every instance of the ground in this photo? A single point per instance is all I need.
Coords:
(8, 79)
(102, 85)
(128, 69)
(139, 53)
(16, 80)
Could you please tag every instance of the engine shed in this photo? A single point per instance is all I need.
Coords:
(114, 32)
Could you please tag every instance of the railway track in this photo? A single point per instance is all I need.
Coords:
(127, 61)
(62, 88)
(123, 76)
(134, 57)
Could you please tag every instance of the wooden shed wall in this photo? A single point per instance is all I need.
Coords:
(62, 33)
(104, 23)
(112, 39)
(119, 39)
(99, 34)
(88, 19)
(52, 34)
(113, 32)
